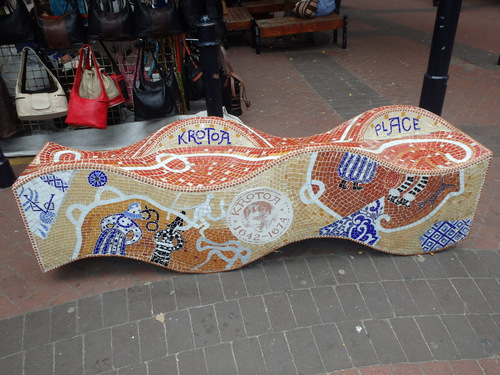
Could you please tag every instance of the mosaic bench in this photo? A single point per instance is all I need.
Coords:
(207, 194)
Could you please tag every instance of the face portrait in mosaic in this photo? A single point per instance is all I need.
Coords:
(206, 194)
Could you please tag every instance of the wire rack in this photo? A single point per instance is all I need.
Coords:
(64, 63)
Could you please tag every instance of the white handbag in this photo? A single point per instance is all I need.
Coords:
(46, 103)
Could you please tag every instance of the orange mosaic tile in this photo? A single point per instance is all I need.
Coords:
(207, 194)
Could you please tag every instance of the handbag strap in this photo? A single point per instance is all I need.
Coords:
(85, 51)
(139, 65)
(112, 61)
(21, 78)
(243, 91)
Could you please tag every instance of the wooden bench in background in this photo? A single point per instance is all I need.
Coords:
(293, 25)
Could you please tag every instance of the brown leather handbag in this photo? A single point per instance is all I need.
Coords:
(106, 24)
(59, 32)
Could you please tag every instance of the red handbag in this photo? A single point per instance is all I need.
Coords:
(90, 112)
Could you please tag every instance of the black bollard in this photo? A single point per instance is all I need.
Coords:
(436, 78)
(7, 176)
(209, 58)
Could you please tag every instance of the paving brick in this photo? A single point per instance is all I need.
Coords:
(447, 296)
(220, 360)
(233, 284)
(139, 302)
(358, 344)
(279, 312)
(204, 325)
(63, 321)
(331, 347)
(255, 280)
(11, 332)
(36, 329)
(186, 291)
(254, 314)
(465, 367)
(277, 276)
(464, 336)
(471, 295)
(436, 368)
(304, 351)
(375, 370)
(352, 302)
(405, 369)
(39, 360)
(364, 268)
(98, 354)
(328, 304)
(125, 341)
(152, 339)
(230, 321)
(490, 288)
(192, 362)
(68, 355)
(322, 274)
(137, 369)
(12, 364)
(430, 267)
(491, 366)
(491, 260)
(89, 314)
(114, 307)
(163, 296)
(248, 356)
(411, 339)
(162, 366)
(210, 288)
(376, 300)
(299, 272)
(346, 372)
(384, 341)
(408, 267)
(472, 263)
(342, 269)
(303, 307)
(400, 298)
(437, 338)
(423, 297)
(451, 264)
(386, 266)
(179, 332)
(277, 356)
(487, 331)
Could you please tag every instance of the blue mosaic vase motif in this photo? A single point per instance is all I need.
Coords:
(361, 226)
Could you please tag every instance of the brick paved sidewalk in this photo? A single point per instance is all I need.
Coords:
(314, 307)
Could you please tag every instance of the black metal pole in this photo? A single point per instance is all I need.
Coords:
(209, 58)
(436, 78)
(7, 176)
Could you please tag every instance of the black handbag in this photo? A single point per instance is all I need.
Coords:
(59, 32)
(105, 24)
(192, 73)
(16, 26)
(152, 99)
(152, 22)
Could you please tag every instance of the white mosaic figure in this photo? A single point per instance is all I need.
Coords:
(119, 231)
(202, 213)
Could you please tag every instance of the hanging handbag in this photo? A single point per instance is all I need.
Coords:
(232, 87)
(7, 112)
(45, 103)
(59, 32)
(16, 26)
(152, 99)
(192, 73)
(117, 75)
(90, 86)
(87, 111)
(105, 24)
(152, 22)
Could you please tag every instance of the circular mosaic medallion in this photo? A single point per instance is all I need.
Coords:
(260, 215)
(97, 178)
